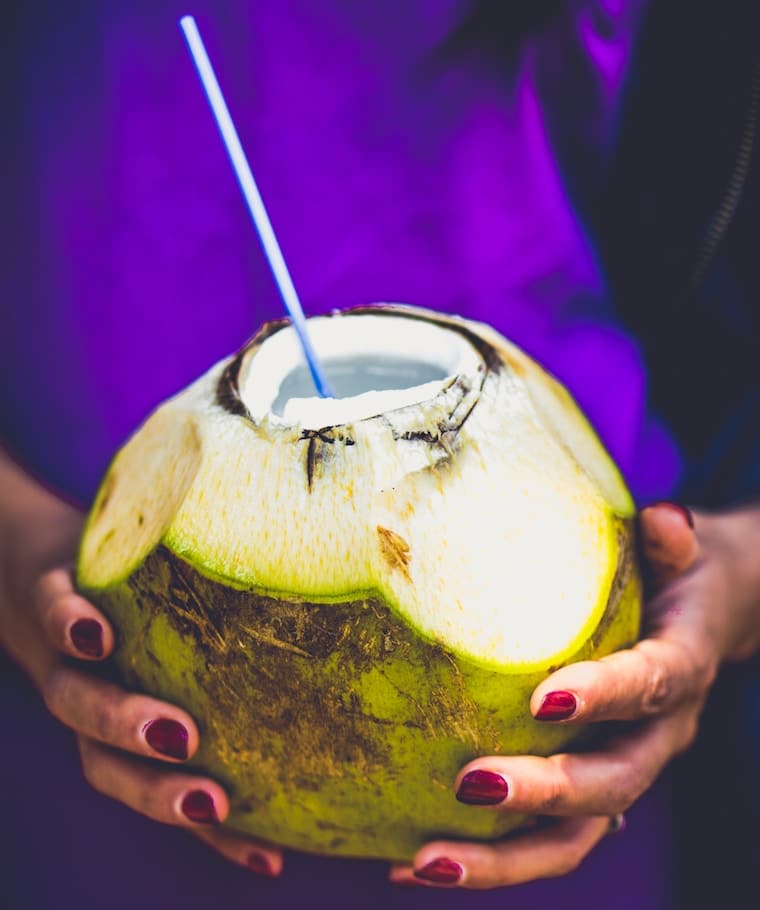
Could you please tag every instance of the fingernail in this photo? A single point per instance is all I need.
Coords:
(87, 637)
(557, 706)
(167, 737)
(482, 788)
(198, 806)
(684, 511)
(259, 864)
(441, 871)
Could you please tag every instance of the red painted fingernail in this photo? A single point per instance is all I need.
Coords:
(167, 737)
(259, 864)
(684, 511)
(198, 806)
(87, 637)
(482, 788)
(442, 871)
(557, 706)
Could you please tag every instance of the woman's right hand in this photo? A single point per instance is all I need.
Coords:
(53, 634)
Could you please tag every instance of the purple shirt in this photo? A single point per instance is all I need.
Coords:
(392, 172)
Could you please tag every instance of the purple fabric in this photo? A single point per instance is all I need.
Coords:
(389, 175)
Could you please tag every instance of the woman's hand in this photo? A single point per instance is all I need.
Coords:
(706, 610)
(53, 634)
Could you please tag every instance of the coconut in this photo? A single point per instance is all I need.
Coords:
(355, 596)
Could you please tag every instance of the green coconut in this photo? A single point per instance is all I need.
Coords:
(354, 597)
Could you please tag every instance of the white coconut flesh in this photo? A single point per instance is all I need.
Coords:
(451, 476)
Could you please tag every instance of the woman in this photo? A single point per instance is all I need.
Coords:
(428, 161)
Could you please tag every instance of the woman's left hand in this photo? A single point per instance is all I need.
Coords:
(706, 609)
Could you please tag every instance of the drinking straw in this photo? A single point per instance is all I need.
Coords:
(253, 199)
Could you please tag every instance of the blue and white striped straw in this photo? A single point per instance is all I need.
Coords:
(253, 199)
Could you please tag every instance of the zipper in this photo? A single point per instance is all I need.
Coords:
(724, 214)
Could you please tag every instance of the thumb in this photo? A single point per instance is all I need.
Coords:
(668, 542)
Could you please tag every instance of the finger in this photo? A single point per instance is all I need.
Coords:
(651, 678)
(171, 797)
(262, 859)
(604, 782)
(544, 853)
(71, 624)
(104, 712)
(668, 541)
